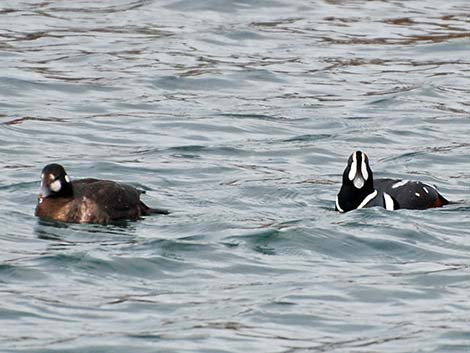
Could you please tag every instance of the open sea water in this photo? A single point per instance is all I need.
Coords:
(238, 116)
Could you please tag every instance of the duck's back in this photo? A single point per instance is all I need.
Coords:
(94, 201)
(411, 194)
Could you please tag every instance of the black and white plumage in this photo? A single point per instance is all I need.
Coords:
(360, 189)
(88, 200)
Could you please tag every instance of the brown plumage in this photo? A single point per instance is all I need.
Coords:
(88, 200)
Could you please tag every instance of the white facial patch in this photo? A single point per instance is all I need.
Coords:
(358, 181)
(55, 186)
(352, 171)
(358, 178)
(364, 169)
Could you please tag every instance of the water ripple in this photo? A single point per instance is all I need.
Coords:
(239, 117)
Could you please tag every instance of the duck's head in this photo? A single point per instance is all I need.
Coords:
(55, 182)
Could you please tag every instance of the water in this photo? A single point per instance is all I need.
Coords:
(238, 116)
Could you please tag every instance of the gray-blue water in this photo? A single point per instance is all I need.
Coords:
(238, 116)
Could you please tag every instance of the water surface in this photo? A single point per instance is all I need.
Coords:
(238, 116)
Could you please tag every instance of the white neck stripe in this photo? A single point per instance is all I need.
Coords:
(367, 199)
(338, 207)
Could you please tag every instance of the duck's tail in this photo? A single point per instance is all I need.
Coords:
(146, 211)
(157, 211)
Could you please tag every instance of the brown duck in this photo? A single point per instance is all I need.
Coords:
(88, 200)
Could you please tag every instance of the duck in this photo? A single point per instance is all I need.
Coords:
(359, 189)
(88, 200)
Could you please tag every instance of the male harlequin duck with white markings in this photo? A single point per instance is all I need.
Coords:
(88, 200)
(360, 190)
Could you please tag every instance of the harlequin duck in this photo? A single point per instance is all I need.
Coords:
(88, 200)
(360, 190)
